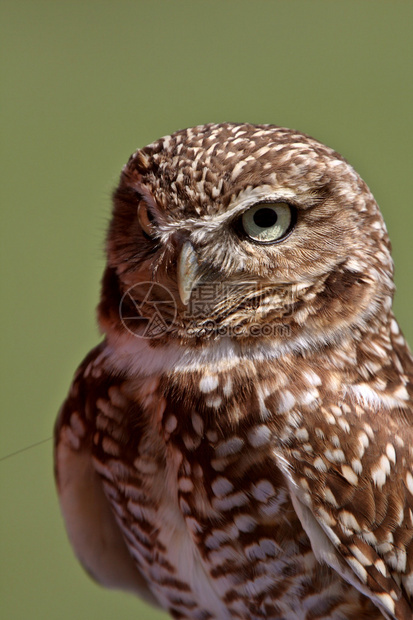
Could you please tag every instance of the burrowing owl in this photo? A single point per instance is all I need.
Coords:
(240, 445)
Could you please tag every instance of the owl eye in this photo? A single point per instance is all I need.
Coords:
(146, 220)
(268, 222)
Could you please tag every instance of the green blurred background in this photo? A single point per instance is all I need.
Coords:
(83, 85)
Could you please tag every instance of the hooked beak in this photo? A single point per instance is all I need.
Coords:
(187, 272)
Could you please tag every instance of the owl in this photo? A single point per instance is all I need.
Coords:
(240, 444)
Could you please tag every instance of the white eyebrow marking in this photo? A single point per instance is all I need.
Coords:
(238, 204)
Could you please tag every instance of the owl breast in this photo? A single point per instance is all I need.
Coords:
(202, 504)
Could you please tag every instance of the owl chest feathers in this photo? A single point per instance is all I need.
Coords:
(197, 461)
(203, 490)
(198, 495)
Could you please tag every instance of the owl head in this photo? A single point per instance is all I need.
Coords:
(247, 232)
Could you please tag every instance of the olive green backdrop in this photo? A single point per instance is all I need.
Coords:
(84, 84)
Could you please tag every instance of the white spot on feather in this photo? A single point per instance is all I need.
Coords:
(387, 601)
(381, 471)
(409, 482)
(329, 497)
(231, 446)
(259, 435)
(312, 378)
(319, 464)
(381, 567)
(286, 402)
(185, 484)
(197, 423)
(357, 466)
(208, 383)
(401, 393)
(335, 456)
(230, 501)
(212, 436)
(363, 559)
(227, 389)
(214, 402)
(237, 169)
(221, 486)
(245, 522)
(358, 569)
(391, 452)
(222, 554)
(302, 434)
(263, 490)
(408, 583)
(349, 474)
(171, 424)
(349, 521)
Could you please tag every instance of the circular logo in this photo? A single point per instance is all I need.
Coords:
(147, 310)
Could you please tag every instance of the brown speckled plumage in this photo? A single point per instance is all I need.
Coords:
(253, 457)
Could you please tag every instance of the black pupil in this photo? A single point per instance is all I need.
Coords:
(265, 217)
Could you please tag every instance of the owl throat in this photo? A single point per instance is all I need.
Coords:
(241, 315)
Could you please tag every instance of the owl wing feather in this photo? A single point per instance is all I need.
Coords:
(356, 503)
(91, 525)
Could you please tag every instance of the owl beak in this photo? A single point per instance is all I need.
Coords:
(187, 272)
